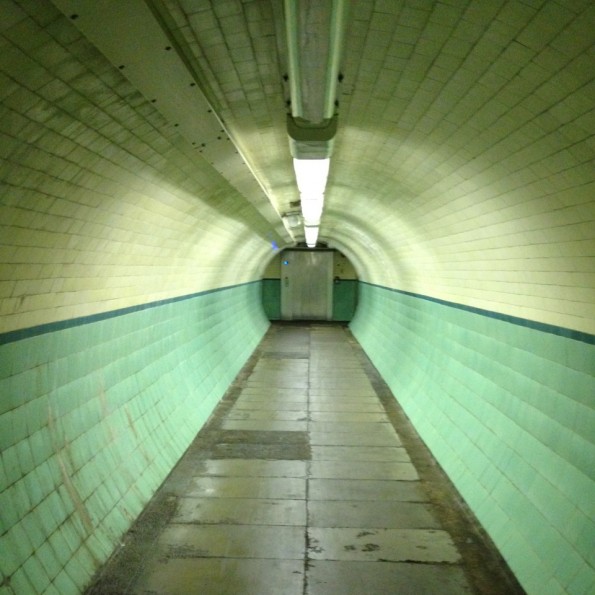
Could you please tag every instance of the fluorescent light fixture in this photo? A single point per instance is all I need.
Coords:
(311, 232)
(312, 208)
(311, 175)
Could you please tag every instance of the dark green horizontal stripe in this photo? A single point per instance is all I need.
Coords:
(17, 335)
(60, 325)
(524, 322)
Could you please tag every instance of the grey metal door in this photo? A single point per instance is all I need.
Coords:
(306, 285)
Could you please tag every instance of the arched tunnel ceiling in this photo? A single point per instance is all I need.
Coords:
(463, 163)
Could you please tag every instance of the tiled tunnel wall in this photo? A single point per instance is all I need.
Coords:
(123, 317)
(93, 418)
(506, 408)
(105, 207)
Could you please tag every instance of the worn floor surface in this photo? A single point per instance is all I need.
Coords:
(308, 479)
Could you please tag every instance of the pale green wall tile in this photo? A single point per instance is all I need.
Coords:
(25, 457)
(46, 514)
(100, 546)
(524, 562)
(20, 582)
(584, 542)
(36, 574)
(19, 541)
(47, 558)
(554, 587)
(20, 498)
(64, 584)
(12, 429)
(497, 518)
(8, 400)
(109, 386)
(566, 567)
(77, 572)
(60, 547)
(86, 560)
(10, 559)
(9, 355)
(580, 357)
(40, 444)
(506, 398)
(34, 529)
(58, 508)
(10, 514)
(583, 583)
(68, 506)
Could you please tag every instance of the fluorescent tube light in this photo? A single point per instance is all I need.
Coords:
(311, 175)
(311, 232)
(312, 208)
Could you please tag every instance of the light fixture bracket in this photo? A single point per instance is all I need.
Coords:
(311, 141)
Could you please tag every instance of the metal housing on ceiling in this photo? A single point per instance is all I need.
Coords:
(315, 32)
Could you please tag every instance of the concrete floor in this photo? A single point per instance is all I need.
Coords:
(308, 479)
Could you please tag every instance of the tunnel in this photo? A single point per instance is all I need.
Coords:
(150, 194)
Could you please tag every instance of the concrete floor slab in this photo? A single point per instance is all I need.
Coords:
(270, 414)
(267, 393)
(382, 545)
(352, 427)
(332, 353)
(241, 511)
(255, 468)
(285, 451)
(365, 489)
(232, 541)
(242, 404)
(277, 377)
(340, 375)
(290, 488)
(348, 416)
(335, 366)
(224, 576)
(298, 382)
(367, 405)
(344, 384)
(287, 364)
(244, 437)
(270, 401)
(353, 439)
(381, 515)
(341, 398)
(291, 364)
(266, 503)
(330, 356)
(360, 453)
(356, 578)
(343, 391)
(382, 470)
(265, 425)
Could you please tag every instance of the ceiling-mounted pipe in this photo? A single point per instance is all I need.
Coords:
(337, 34)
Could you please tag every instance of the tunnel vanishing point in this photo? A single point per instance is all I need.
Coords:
(147, 184)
